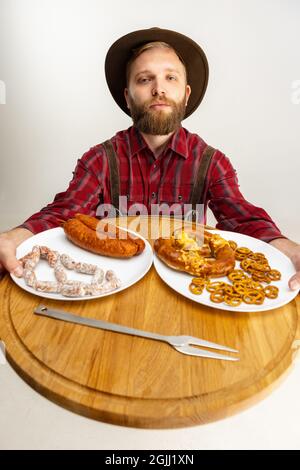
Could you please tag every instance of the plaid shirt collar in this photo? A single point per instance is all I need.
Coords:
(177, 142)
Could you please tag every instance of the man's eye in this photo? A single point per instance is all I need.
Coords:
(171, 77)
(143, 80)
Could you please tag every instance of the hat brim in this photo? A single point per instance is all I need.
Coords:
(193, 56)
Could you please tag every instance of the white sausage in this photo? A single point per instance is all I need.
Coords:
(100, 283)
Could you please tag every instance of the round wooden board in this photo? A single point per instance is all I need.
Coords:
(137, 382)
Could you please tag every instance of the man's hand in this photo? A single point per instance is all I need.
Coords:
(8, 246)
(292, 250)
(294, 282)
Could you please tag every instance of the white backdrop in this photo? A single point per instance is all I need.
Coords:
(56, 104)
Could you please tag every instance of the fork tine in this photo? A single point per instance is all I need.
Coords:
(208, 344)
(203, 353)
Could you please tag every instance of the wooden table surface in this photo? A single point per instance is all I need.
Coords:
(137, 382)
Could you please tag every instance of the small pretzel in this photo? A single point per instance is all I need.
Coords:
(258, 274)
(197, 290)
(234, 300)
(271, 292)
(243, 250)
(236, 275)
(240, 287)
(258, 257)
(274, 275)
(199, 281)
(216, 285)
(232, 244)
(255, 285)
(217, 297)
(260, 266)
(229, 290)
(258, 278)
(246, 264)
(240, 256)
(254, 297)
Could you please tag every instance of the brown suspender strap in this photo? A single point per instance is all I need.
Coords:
(113, 173)
(199, 182)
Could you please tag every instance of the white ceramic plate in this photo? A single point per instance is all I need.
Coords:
(129, 271)
(180, 281)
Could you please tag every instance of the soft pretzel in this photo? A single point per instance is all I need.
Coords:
(101, 237)
(213, 258)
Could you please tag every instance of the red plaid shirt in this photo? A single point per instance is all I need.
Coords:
(166, 179)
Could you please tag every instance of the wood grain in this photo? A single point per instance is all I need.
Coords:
(138, 382)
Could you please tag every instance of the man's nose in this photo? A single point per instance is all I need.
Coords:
(158, 89)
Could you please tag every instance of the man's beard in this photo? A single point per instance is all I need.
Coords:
(157, 122)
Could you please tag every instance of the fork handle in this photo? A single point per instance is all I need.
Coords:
(103, 325)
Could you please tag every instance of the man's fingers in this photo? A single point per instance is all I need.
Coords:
(16, 269)
(294, 282)
(12, 265)
(2, 271)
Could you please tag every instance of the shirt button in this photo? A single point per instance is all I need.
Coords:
(179, 197)
(153, 195)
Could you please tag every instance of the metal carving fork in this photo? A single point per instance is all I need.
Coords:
(180, 343)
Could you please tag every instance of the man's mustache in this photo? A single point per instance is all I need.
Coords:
(160, 101)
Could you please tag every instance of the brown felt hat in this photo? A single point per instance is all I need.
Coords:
(190, 52)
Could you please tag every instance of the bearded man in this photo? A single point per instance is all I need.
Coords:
(159, 78)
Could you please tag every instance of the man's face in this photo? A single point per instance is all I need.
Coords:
(157, 92)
